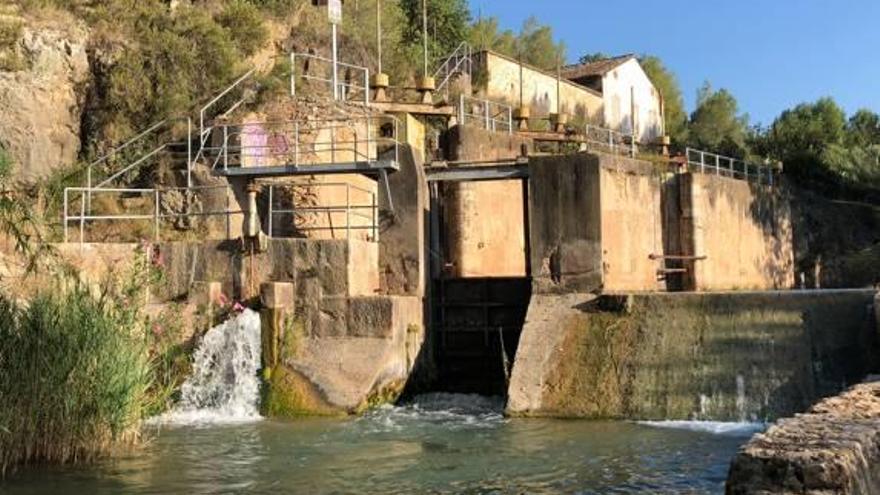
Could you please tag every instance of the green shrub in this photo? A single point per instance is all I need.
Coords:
(73, 376)
(245, 26)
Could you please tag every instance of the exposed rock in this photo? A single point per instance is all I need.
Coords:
(833, 448)
(42, 102)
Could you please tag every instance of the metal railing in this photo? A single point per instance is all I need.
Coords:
(150, 209)
(612, 141)
(711, 163)
(489, 115)
(356, 216)
(459, 62)
(355, 80)
(295, 143)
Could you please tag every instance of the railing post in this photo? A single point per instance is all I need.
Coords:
(156, 216)
(461, 110)
(296, 144)
(717, 166)
(702, 162)
(292, 74)
(189, 152)
(486, 114)
(226, 147)
(348, 212)
(271, 214)
(509, 120)
(82, 217)
(65, 215)
(610, 141)
(375, 216)
(366, 87)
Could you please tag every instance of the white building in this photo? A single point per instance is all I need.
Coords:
(630, 100)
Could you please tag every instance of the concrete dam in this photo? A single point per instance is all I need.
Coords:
(587, 284)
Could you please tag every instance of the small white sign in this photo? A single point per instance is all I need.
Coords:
(334, 11)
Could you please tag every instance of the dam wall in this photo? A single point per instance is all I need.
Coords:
(723, 356)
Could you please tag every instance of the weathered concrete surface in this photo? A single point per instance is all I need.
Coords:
(539, 344)
(717, 210)
(724, 356)
(485, 229)
(465, 143)
(402, 245)
(833, 448)
(632, 223)
(42, 100)
(594, 221)
(497, 78)
(374, 357)
(565, 247)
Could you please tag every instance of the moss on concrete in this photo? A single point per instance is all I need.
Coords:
(749, 356)
(288, 394)
(386, 394)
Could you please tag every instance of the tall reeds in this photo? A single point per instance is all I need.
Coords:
(74, 370)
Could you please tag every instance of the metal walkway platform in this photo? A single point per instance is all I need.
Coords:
(360, 167)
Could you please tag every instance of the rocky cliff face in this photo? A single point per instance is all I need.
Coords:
(42, 98)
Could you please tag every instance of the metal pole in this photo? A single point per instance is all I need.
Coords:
(156, 217)
(379, 32)
(65, 215)
(82, 218)
(347, 212)
(271, 189)
(425, 33)
(225, 146)
(717, 166)
(335, 73)
(296, 144)
(486, 114)
(461, 110)
(189, 126)
(375, 216)
(509, 120)
(366, 86)
(292, 74)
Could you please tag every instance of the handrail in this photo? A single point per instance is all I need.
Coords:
(462, 55)
(218, 97)
(616, 141)
(329, 80)
(735, 168)
(489, 119)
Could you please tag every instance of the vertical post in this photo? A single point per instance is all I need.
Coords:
(375, 216)
(379, 33)
(271, 213)
(332, 142)
(189, 126)
(292, 74)
(89, 181)
(509, 120)
(366, 86)
(347, 211)
(425, 33)
(156, 216)
(486, 114)
(65, 215)
(461, 109)
(296, 144)
(702, 162)
(225, 147)
(717, 166)
(82, 217)
(370, 140)
(335, 72)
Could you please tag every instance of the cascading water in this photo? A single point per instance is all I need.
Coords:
(224, 386)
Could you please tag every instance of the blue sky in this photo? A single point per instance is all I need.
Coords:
(771, 54)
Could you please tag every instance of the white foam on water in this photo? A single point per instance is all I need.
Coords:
(224, 387)
(729, 428)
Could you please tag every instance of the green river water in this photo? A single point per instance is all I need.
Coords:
(440, 443)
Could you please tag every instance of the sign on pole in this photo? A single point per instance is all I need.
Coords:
(334, 11)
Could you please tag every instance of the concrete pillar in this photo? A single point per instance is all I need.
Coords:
(426, 87)
(278, 304)
(522, 115)
(252, 226)
(379, 85)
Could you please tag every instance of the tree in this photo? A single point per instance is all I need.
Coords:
(448, 25)
(666, 83)
(592, 57)
(863, 128)
(535, 45)
(716, 126)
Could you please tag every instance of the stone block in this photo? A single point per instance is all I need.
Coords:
(206, 293)
(371, 317)
(277, 295)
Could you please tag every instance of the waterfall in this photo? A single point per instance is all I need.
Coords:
(224, 386)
